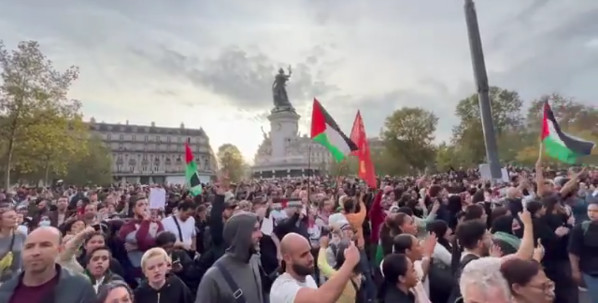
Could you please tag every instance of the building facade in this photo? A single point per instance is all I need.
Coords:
(304, 158)
(149, 154)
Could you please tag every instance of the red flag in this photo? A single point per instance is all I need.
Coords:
(366, 167)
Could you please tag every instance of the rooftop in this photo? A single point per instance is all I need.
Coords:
(149, 129)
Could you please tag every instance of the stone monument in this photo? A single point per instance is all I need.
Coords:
(283, 152)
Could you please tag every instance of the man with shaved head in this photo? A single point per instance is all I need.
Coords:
(42, 280)
(296, 284)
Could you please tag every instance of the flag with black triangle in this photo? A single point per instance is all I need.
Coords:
(191, 175)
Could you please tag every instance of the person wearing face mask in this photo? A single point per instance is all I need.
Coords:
(44, 221)
(237, 272)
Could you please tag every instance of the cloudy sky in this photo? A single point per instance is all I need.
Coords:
(211, 63)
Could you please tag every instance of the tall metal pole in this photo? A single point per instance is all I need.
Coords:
(309, 171)
(481, 79)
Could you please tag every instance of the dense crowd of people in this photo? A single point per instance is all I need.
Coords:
(444, 238)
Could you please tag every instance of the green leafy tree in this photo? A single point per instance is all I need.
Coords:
(346, 167)
(408, 134)
(387, 164)
(231, 161)
(573, 117)
(447, 157)
(34, 103)
(93, 166)
(568, 112)
(468, 135)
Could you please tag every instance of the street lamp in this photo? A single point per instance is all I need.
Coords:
(481, 79)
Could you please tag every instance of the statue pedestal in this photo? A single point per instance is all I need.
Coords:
(284, 127)
(288, 155)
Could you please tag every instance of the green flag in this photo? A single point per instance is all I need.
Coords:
(191, 172)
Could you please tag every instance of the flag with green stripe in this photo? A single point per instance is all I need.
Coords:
(560, 145)
(191, 175)
(325, 131)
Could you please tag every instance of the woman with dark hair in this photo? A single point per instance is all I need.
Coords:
(395, 224)
(440, 274)
(442, 232)
(115, 291)
(527, 281)
(399, 279)
(503, 234)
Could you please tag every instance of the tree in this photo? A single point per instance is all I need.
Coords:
(568, 112)
(94, 166)
(35, 111)
(572, 116)
(231, 161)
(506, 115)
(387, 164)
(408, 134)
(49, 146)
(447, 157)
(346, 167)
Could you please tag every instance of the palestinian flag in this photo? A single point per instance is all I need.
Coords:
(560, 145)
(325, 131)
(191, 172)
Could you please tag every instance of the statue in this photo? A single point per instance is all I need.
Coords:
(279, 91)
(264, 134)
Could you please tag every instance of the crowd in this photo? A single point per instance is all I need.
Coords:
(443, 238)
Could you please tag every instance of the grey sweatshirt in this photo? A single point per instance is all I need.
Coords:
(241, 262)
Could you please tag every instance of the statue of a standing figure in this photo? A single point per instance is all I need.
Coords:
(279, 91)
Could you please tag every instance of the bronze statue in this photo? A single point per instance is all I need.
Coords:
(279, 91)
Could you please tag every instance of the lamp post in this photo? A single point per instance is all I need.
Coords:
(481, 79)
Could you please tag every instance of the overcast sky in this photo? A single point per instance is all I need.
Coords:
(211, 63)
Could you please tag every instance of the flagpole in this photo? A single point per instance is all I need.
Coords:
(309, 173)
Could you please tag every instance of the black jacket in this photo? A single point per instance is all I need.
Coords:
(173, 291)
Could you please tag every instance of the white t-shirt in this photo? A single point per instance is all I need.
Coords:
(422, 289)
(187, 228)
(285, 288)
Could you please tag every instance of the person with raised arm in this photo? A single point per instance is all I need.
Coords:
(296, 284)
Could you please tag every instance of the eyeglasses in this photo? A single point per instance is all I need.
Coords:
(547, 286)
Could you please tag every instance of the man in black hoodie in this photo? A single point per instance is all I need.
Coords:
(236, 274)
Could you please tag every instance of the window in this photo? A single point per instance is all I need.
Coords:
(146, 137)
(168, 139)
(108, 136)
(157, 138)
(121, 137)
(134, 138)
